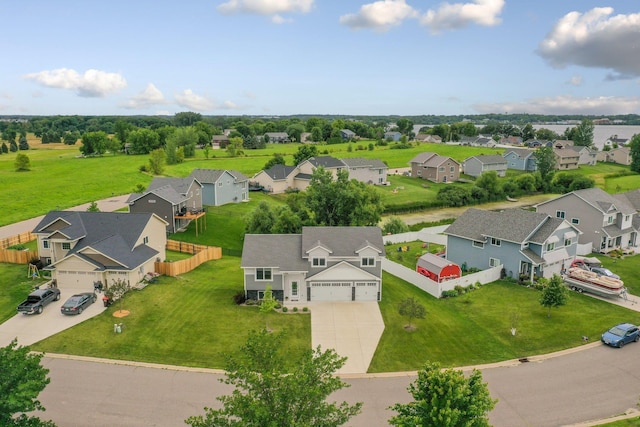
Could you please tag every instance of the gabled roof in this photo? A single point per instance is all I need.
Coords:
(422, 157)
(112, 234)
(513, 225)
(348, 132)
(631, 197)
(342, 241)
(327, 162)
(359, 162)
(277, 134)
(279, 172)
(273, 250)
(211, 176)
(599, 199)
(520, 152)
(489, 159)
(180, 185)
(167, 193)
(566, 153)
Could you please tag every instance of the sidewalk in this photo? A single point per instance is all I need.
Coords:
(107, 205)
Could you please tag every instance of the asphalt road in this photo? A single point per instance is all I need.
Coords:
(594, 383)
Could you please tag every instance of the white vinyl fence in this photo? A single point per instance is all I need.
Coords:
(434, 288)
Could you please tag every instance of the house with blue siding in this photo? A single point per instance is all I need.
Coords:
(220, 186)
(525, 243)
(521, 159)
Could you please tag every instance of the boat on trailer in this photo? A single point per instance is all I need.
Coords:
(582, 280)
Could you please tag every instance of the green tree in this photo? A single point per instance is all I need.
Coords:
(294, 131)
(286, 222)
(93, 207)
(545, 134)
(395, 225)
(94, 143)
(268, 304)
(546, 164)
(342, 202)
(157, 161)
(235, 147)
(22, 163)
(277, 159)
(186, 118)
(316, 134)
(411, 309)
(116, 291)
(445, 398)
(23, 144)
(22, 378)
(489, 182)
(186, 137)
(279, 390)
(304, 152)
(13, 147)
(528, 132)
(583, 133)
(405, 127)
(260, 220)
(121, 129)
(454, 195)
(5, 149)
(634, 147)
(555, 294)
(142, 141)
(70, 138)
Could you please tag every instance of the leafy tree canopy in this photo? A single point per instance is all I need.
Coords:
(555, 294)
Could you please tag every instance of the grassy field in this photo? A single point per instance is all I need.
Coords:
(190, 321)
(16, 285)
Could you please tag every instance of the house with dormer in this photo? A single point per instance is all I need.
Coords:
(176, 200)
(82, 248)
(320, 264)
(524, 243)
(606, 222)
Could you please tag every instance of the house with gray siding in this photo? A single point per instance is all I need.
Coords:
(171, 199)
(220, 186)
(392, 136)
(525, 243)
(320, 264)
(82, 248)
(606, 222)
(277, 137)
(369, 171)
(521, 159)
(347, 135)
(586, 155)
(477, 165)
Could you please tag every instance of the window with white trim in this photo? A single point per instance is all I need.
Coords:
(368, 262)
(567, 242)
(610, 219)
(319, 262)
(145, 240)
(45, 244)
(560, 214)
(477, 244)
(66, 246)
(263, 274)
(575, 220)
(494, 262)
(496, 242)
(551, 246)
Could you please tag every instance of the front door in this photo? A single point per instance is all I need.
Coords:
(295, 292)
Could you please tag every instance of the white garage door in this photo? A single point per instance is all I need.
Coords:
(76, 280)
(366, 291)
(331, 291)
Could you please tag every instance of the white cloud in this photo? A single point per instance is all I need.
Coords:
(575, 80)
(273, 8)
(150, 96)
(379, 16)
(190, 100)
(457, 15)
(91, 84)
(567, 104)
(595, 39)
(230, 105)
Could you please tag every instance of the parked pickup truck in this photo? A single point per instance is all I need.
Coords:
(37, 299)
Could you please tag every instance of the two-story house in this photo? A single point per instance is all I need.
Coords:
(220, 186)
(81, 248)
(369, 171)
(320, 264)
(566, 158)
(477, 165)
(521, 159)
(277, 137)
(525, 243)
(175, 200)
(347, 135)
(435, 167)
(606, 222)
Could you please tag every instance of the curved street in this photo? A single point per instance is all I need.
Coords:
(577, 386)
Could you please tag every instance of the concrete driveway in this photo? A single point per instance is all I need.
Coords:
(31, 328)
(352, 329)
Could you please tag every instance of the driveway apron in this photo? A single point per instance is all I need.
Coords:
(352, 329)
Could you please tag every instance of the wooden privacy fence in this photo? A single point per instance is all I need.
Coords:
(16, 256)
(201, 255)
(25, 237)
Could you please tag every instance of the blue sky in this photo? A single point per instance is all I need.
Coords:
(282, 57)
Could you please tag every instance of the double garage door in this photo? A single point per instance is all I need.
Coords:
(344, 291)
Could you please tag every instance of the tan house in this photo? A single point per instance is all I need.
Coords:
(620, 155)
(82, 248)
(435, 167)
(566, 158)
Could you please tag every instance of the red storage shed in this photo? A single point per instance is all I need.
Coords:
(437, 269)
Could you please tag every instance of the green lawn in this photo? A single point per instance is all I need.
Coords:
(629, 422)
(15, 285)
(409, 257)
(475, 328)
(190, 320)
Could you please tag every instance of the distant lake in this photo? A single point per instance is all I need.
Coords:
(600, 132)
